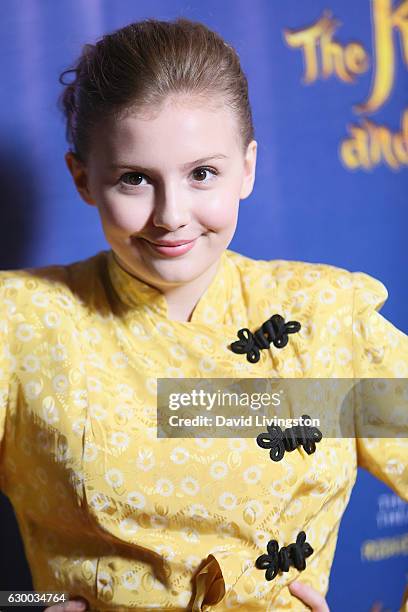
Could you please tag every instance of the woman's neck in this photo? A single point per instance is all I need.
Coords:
(182, 300)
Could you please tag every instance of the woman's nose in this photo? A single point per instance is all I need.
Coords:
(171, 209)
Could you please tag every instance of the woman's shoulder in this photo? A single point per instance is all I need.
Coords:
(297, 275)
(290, 267)
(59, 285)
(48, 273)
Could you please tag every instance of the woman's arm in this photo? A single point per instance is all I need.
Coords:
(380, 351)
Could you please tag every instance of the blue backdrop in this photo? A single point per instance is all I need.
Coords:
(328, 87)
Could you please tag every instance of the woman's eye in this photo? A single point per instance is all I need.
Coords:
(132, 179)
(205, 169)
(131, 174)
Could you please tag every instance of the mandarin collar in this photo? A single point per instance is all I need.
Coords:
(140, 296)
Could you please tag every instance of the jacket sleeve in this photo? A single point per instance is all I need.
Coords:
(380, 354)
(9, 388)
(4, 372)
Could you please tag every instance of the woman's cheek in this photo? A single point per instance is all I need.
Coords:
(219, 212)
(126, 214)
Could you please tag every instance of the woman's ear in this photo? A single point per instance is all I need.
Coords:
(79, 174)
(249, 170)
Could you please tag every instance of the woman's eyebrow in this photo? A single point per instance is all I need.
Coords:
(183, 166)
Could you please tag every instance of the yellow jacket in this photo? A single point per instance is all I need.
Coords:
(130, 521)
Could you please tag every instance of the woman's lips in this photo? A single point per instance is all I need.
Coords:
(172, 251)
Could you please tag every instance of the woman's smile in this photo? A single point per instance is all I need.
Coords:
(171, 251)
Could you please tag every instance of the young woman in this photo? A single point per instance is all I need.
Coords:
(162, 145)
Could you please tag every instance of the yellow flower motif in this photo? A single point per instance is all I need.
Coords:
(25, 332)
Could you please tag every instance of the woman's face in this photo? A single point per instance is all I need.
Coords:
(143, 177)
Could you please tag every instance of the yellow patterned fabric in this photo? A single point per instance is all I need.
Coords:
(132, 522)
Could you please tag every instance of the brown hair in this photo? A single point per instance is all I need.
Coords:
(138, 66)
